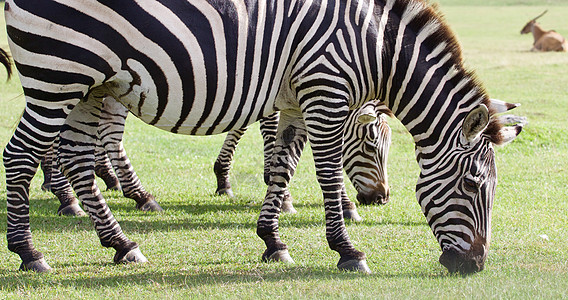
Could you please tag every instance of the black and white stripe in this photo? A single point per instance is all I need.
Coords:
(365, 150)
(204, 67)
(111, 164)
(365, 154)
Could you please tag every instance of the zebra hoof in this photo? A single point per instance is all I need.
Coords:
(352, 214)
(132, 256)
(38, 266)
(287, 207)
(354, 265)
(278, 256)
(71, 210)
(228, 192)
(151, 205)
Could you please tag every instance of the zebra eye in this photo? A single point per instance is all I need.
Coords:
(370, 147)
(470, 185)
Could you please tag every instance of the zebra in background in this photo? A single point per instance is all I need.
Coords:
(110, 158)
(203, 67)
(365, 153)
(366, 147)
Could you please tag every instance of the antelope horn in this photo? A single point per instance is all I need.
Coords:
(540, 15)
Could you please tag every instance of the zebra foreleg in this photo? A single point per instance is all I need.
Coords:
(326, 139)
(110, 133)
(76, 159)
(290, 141)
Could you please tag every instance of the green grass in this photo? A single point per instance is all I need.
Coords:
(206, 246)
(501, 3)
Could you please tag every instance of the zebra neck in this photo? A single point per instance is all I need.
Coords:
(435, 107)
(424, 81)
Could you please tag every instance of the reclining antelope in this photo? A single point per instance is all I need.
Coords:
(545, 40)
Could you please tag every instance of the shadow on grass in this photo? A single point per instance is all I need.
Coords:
(180, 217)
(191, 278)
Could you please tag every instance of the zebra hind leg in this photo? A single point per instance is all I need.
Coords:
(47, 170)
(29, 143)
(103, 168)
(268, 129)
(224, 161)
(110, 133)
(76, 159)
(58, 185)
(290, 141)
(349, 208)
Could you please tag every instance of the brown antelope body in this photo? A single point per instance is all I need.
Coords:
(545, 40)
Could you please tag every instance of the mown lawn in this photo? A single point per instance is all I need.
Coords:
(205, 246)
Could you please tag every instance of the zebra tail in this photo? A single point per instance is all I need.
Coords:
(5, 60)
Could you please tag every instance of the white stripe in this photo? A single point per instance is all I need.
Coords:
(425, 32)
(177, 27)
(243, 33)
(142, 44)
(422, 87)
(25, 21)
(356, 93)
(371, 89)
(343, 45)
(381, 43)
(436, 51)
(283, 69)
(410, 12)
(444, 107)
(309, 58)
(215, 21)
(266, 94)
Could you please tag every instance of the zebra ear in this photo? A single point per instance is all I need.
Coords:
(509, 133)
(366, 114)
(475, 123)
(502, 106)
(512, 126)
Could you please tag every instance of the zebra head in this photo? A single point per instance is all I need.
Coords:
(365, 152)
(457, 185)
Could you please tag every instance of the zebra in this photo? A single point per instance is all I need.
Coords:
(110, 157)
(204, 67)
(365, 153)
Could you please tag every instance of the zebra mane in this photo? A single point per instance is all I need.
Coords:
(431, 13)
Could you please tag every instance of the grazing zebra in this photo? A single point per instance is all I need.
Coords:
(109, 155)
(365, 153)
(203, 67)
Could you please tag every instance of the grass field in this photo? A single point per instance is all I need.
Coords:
(204, 246)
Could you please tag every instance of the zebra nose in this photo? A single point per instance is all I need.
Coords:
(378, 195)
(465, 263)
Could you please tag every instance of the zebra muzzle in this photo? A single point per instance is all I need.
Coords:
(464, 263)
(377, 196)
